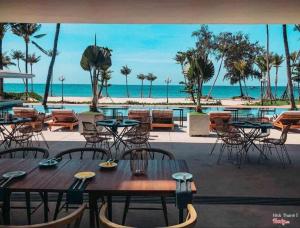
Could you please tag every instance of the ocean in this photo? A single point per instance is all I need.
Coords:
(158, 91)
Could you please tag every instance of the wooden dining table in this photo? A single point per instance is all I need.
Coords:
(111, 182)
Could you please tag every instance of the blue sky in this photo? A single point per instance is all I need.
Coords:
(144, 48)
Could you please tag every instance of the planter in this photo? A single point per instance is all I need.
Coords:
(89, 117)
(198, 124)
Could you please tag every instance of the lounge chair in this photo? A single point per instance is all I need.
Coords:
(63, 118)
(32, 113)
(162, 119)
(140, 115)
(286, 118)
(224, 115)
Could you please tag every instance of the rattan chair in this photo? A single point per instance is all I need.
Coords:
(190, 221)
(138, 136)
(26, 153)
(153, 154)
(279, 146)
(94, 137)
(71, 220)
(38, 129)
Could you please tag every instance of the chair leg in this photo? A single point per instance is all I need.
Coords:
(42, 135)
(28, 207)
(214, 146)
(165, 210)
(58, 202)
(126, 208)
(286, 153)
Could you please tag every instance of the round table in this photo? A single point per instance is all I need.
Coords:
(112, 125)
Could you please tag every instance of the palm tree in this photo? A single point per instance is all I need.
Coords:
(3, 29)
(6, 61)
(241, 66)
(141, 77)
(50, 54)
(126, 71)
(95, 59)
(180, 58)
(288, 68)
(50, 70)
(18, 55)
(106, 76)
(268, 64)
(32, 59)
(26, 31)
(151, 77)
(277, 61)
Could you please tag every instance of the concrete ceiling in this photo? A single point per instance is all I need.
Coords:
(151, 11)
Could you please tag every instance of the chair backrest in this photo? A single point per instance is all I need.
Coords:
(284, 134)
(25, 112)
(89, 128)
(153, 154)
(190, 221)
(67, 116)
(140, 115)
(162, 116)
(84, 153)
(39, 122)
(224, 115)
(105, 222)
(71, 220)
(25, 152)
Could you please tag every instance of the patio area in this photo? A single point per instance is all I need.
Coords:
(226, 195)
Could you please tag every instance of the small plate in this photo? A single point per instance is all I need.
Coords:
(108, 165)
(180, 176)
(14, 174)
(48, 163)
(84, 175)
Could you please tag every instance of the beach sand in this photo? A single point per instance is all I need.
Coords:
(124, 100)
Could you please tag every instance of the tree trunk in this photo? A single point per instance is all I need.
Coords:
(95, 92)
(219, 70)
(198, 108)
(269, 91)
(288, 65)
(142, 88)
(276, 83)
(241, 88)
(127, 86)
(50, 70)
(26, 68)
(1, 68)
(150, 91)
(31, 78)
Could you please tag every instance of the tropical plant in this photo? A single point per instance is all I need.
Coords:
(32, 59)
(6, 61)
(126, 71)
(180, 58)
(151, 77)
(277, 61)
(241, 66)
(51, 65)
(288, 68)
(106, 76)
(18, 55)
(95, 59)
(3, 29)
(26, 31)
(239, 48)
(200, 70)
(141, 77)
(296, 77)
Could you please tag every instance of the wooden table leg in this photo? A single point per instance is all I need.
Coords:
(92, 204)
(6, 208)
(109, 207)
(180, 218)
(46, 208)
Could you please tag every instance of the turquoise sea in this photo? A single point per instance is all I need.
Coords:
(158, 91)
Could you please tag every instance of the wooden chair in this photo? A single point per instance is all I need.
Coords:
(288, 118)
(26, 153)
(153, 154)
(63, 118)
(224, 115)
(162, 119)
(190, 221)
(139, 115)
(67, 221)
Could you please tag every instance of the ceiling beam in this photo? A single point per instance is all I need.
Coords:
(150, 11)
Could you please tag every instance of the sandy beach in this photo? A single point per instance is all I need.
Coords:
(124, 100)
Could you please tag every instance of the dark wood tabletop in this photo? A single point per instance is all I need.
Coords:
(118, 181)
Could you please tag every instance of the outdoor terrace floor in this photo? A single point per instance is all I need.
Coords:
(265, 180)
